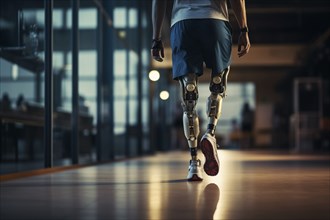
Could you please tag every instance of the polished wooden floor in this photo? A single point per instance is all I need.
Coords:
(251, 185)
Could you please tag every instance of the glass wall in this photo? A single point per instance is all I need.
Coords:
(109, 87)
(62, 86)
(130, 85)
(21, 86)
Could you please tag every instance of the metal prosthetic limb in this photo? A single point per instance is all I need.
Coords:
(217, 88)
(189, 99)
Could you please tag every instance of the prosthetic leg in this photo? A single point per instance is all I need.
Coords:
(218, 85)
(189, 99)
(208, 143)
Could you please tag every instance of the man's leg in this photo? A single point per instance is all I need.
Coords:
(189, 97)
(217, 87)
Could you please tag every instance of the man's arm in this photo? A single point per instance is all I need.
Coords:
(158, 15)
(238, 7)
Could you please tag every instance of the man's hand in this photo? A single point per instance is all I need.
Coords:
(157, 50)
(243, 44)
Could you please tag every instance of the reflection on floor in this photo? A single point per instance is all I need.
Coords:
(250, 185)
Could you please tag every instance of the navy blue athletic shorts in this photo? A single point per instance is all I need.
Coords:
(195, 41)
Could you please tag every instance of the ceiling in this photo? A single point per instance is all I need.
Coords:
(281, 22)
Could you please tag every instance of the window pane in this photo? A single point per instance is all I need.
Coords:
(133, 59)
(87, 63)
(91, 107)
(11, 72)
(21, 88)
(133, 104)
(119, 63)
(132, 23)
(119, 129)
(58, 60)
(16, 88)
(25, 74)
(119, 17)
(133, 87)
(57, 18)
(120, 88)
(145, 111)
(119, 111)
(87, 88)
(145, 57)
(67, 89)
(87, 18)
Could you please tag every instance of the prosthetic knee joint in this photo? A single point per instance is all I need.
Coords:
(189, 100)
(217, 88)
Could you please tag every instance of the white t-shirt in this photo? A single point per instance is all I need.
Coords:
(199, 9)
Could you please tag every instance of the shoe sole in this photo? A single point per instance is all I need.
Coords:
(211, 166)
(195, 178)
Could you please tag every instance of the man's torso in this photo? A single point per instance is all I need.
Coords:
(199, 9)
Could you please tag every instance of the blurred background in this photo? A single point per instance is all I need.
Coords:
(78, 86)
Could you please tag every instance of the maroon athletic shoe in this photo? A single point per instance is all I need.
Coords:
(209, 148)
